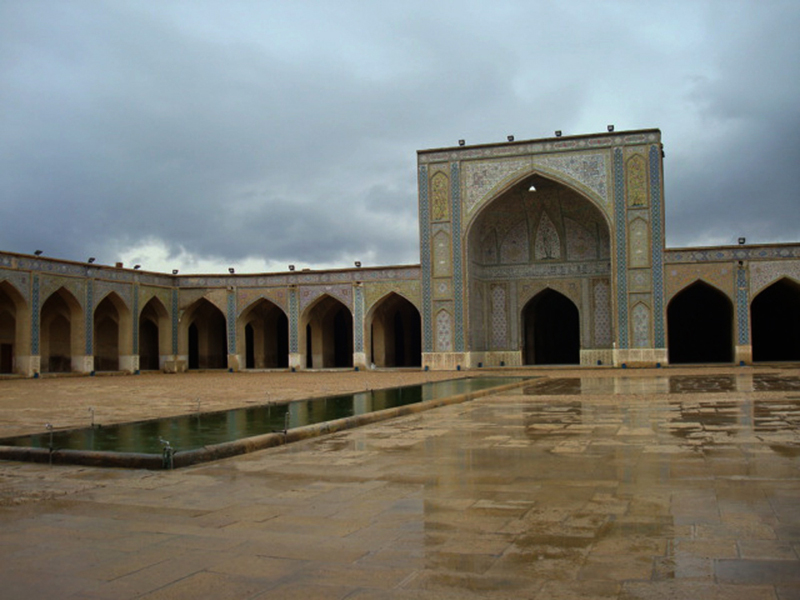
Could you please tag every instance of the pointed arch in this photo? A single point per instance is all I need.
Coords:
(113, 332)
(328, 339)
(527, 177)
(154, 335)
(263, 335)
(394, 329)
(775, 322)
(14, 315)
(551, 326)
(700, 325)
(568, 240)
(203, 336)
(60, 332)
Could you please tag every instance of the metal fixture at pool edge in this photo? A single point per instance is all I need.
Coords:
(167, 455)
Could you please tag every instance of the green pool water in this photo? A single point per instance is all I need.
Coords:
(189, 432)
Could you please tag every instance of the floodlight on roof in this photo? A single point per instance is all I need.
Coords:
(38, 252)
(231, 270)
(558, 133)
(137, 267)
(91, 260)
(510, 138)
(461, 142)
(174, 271)
(610, 128)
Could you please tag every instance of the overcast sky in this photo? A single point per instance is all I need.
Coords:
(205, 134)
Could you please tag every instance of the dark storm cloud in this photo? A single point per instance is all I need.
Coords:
(738, 173)
(288, 132)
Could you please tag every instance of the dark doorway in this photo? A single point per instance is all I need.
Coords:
(194, 350)
(153, 325)
(552, 330)
(396, 333)
(208, 343)
(249, 348)
(700, 326)
(148, 345)
(266, 336)
(329, 335)
(775, 322)
(6, 358)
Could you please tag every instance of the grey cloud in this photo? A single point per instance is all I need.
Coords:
(290, 133)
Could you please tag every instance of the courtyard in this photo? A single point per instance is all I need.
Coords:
(606, 483)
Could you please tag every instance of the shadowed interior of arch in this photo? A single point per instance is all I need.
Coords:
(775, 318)
(552, 330)
(700, 325)
(329, 335)
(395, 333)
(266, 336)
(206, 333)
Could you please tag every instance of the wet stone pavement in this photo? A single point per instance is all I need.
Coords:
(591, 486)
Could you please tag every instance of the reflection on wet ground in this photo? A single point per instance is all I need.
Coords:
(606, 487)
(668, 384)
(699, 422)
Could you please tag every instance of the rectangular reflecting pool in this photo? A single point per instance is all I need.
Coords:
(193, 432)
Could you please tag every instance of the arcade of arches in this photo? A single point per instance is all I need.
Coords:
(533, 252)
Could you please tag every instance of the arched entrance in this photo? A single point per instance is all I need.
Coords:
(395, 331)
(13, 311)
(264, 331)
(536, 232)
(206, 336)
(153, 335)
(700, 325)
(60, 324)
(551, 326)
(328, 326)
(775, 322)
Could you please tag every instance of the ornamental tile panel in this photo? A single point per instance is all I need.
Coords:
(20, 280)
(485, 179)
(602, 315)
(588, 170)
(764, 274)
(440, 197)
(344, 293)
(499, 317)
(621, 248)
(641, 326)
(581, 242)
(425, 260)
(444, 332)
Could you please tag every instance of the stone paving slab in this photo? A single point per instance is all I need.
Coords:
(585, 488)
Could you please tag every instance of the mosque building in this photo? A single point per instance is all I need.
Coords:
(538, 252)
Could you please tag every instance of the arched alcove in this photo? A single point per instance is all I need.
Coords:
(13, 317)
(551, 327)
(264, 336)
(154, 335)
(536, 230)
(328, 324)
(395, 333)
(59, 331)
(775, 322)
(205, 336)
(700, 325)
(106, 336)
